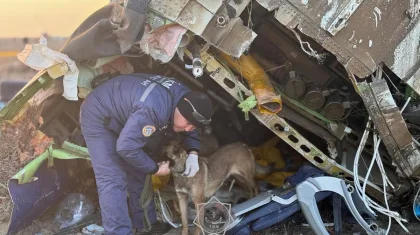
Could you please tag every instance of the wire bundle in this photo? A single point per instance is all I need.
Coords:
(371, 204)
(166, 212)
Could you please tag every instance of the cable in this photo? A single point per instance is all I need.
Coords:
(395, 87)
(311, 52)
(370, 166)
(165, 210)
(416, 142)
(376, 157)
(405, 105)
(369, 202)
(356, 164)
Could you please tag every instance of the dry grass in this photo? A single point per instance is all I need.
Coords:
(15, 141)
(5, 203)
(16, 149)
(10, 69)
(20, 143)
(44, 225)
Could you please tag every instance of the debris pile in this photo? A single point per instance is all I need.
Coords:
(20, 143)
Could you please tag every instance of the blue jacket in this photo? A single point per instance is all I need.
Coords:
(134, 107)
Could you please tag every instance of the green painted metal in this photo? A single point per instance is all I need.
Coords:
(26, 174)
(409, 92)
(79, 150)
(40, 81)
(43, 80)
(302, 106)
(72, 151)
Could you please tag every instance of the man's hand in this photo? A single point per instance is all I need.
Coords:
(191, 165)
(163, 169)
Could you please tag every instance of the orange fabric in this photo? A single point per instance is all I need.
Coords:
(268, 101)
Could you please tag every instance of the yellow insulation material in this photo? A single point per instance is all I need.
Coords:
(159, 182)
(267, 154)
(268, 101)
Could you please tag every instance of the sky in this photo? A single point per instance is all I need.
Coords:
(31, 18)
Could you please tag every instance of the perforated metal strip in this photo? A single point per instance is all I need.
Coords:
(279, 126)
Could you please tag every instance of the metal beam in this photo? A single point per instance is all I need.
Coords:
(282, 129)
(391, 126)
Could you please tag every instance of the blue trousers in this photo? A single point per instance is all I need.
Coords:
(115, 180)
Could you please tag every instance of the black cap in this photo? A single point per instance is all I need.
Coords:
(202, 105)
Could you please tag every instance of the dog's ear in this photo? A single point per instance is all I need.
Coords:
(166, 149)
(178, 149)
(172, 149)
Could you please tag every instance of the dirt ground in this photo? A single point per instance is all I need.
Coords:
(292, 227)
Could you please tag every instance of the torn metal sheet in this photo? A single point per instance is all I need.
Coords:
(360, 33)
(169, 9)
(291, 16)
(195, 17)
(155, 21)
(407, 53)
(40, 81)
(406, 59)
(329, 15)
(211, 21)
(340, 21)
(414, 81)
(239, 5)
(281, 128)
(391, 126)
(269, 4)
(233, 40)
(162, 43)
(414, 9)
(211, 6)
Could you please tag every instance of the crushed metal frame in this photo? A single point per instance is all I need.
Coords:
(391, 126)
(282, 129)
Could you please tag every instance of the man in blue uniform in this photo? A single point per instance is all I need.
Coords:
(118, 120)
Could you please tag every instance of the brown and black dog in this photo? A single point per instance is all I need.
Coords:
(231, 160)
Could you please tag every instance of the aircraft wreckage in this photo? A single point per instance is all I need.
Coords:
(338, 81)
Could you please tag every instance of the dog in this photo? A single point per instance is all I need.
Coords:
(234, 160)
